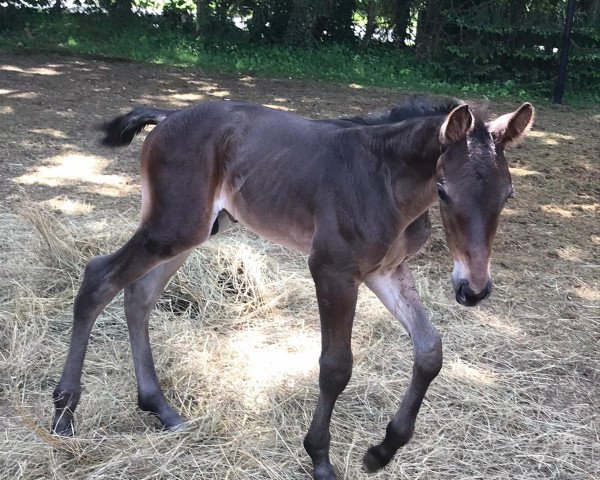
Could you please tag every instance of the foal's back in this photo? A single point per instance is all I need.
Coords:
(275, 172)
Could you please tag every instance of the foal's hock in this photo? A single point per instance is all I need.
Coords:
(351, 193)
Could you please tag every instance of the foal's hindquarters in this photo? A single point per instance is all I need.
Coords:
(177, 215)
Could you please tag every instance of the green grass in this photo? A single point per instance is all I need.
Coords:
(141, 40)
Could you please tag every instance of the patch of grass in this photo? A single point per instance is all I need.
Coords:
(146, 39)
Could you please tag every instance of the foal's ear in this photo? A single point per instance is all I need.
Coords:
(457, 124)
(511, 128)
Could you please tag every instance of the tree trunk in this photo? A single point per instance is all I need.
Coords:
(401, 20)
(370, 21)
(300, 23)
(429, 29)
(57, 7)
(340, 20)
(201, 15)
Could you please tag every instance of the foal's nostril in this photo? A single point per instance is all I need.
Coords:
(467, 297)
(461, 296)
(487, 291)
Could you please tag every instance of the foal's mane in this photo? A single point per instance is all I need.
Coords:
(415, 106)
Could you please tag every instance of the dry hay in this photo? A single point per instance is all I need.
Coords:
(236, 343)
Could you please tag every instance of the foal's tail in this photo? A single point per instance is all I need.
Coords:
(120, 131)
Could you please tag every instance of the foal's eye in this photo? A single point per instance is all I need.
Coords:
(442, 193)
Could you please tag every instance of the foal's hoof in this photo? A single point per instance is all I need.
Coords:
(374, 460)
(177, 427)
(171, 420)
(62, 429)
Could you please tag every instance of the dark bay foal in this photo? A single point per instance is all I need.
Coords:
(353, 194)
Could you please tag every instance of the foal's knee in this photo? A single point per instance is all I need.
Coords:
(163, 243)
(94, 276)
(335, 372)
(428, 357)
(95, 268)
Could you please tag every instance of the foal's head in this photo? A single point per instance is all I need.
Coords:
(474, 183)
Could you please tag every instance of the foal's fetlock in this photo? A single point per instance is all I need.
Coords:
(324, 471)
(171, 420)
(159, 407)
(380, 455)
(376, 458)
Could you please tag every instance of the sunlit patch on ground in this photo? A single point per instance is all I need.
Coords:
(522, 172)
(50, 132)
(46, 71)
(588, 293)
(550, 138)
(182, 100)
(571, 253)
(511, 211)
(24, 95)
(6, 110)
(571, 210)
(465, 372)
(279, 107)
(219, 93)
(69, 206)
(188, 97)
(265, 360)
(87, 169)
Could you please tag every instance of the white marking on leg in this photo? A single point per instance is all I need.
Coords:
(397, 292)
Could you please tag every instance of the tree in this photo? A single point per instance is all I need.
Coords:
(370, 30)
(301, 22)
(429, 28)
(201, 15)
(593, 12)
(401, 20)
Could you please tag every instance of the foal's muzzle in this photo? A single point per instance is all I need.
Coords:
(467, 297)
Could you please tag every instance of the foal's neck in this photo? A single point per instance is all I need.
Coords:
(409, 148)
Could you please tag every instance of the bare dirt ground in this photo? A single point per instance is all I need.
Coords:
(518, 396)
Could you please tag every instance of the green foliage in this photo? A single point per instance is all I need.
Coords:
(504, 47)
(301, 22)
(491, 45)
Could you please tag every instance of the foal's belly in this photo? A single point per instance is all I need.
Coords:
(284, 229)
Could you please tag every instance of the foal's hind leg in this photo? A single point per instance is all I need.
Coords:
(140, 297)
(104, 277)
(398, 293)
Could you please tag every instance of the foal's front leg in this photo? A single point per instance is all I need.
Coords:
(336, 296)
(397, 292)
